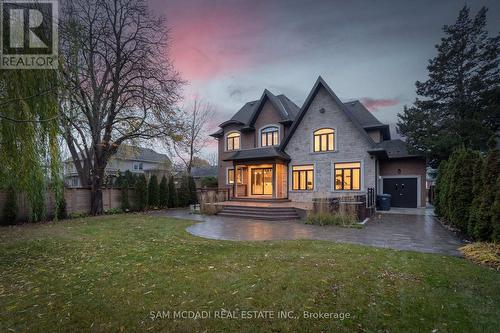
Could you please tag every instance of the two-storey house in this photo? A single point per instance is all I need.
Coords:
(272, 149)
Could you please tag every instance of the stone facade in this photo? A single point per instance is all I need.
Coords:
(268, 116)
(351, 146)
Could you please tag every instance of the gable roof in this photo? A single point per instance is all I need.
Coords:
(320, 83)
(249, 113)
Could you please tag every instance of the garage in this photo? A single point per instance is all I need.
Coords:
(403, 191)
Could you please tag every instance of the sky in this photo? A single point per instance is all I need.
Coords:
(230, 51)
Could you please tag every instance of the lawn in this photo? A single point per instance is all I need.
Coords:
(112, 273)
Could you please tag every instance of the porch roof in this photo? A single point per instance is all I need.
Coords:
(264, 153)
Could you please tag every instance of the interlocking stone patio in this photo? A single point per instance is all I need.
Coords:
(422, 233)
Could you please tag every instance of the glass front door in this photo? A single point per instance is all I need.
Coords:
(262, 181)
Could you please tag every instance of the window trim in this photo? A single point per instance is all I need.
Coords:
(314, 177)
(259, 139)
(227, 175)
(334, 140)
(226, 138)
(361, 176)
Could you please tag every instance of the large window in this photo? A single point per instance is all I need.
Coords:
(303, 177)
(230, 176)
(348, 176)
(233, 141)
(269, 136)
(324, 140)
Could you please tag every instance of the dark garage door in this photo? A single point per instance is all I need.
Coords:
(402, 190)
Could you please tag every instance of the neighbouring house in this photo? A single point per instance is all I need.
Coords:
(272, 149)
(198, 173)
(128, 158)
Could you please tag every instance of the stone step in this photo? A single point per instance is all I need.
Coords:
(262, 213)
(259, 217)
(260, 209)
(259, 200)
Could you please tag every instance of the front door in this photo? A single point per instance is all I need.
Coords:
(262, 181)
(403, 191)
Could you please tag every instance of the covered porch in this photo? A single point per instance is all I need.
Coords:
(259, 174)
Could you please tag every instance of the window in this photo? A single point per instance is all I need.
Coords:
(348, 176)
(269, 136)
(137, 165)
(324, 140)
(303, 177)
(230, 176)
(233, 141)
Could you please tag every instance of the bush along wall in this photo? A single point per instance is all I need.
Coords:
(141, 193)
(467, 193)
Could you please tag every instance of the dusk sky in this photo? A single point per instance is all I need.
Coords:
(230, 51)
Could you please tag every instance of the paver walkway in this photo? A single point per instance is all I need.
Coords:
(396, 231)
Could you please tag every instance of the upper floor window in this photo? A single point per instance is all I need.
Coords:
(348, 176)
(324, 140)
(138, 166)
(233, 141)
(269, 136)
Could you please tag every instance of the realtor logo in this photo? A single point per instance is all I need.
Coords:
(28, 36)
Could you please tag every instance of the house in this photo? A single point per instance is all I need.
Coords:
(272, 149)
(198, 173)
(132, 158)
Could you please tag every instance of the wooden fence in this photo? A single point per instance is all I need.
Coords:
(77, 201)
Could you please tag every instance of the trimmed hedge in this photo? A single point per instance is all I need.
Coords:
(467, 193)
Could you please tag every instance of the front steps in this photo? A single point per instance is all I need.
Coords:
(260, 213)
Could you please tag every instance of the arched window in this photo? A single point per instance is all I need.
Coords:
(269, 136)
(324, 140)
(233, 141)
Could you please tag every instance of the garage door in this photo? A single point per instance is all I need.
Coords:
(402, 190)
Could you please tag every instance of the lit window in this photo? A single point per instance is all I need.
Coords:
(233, 141)
(269, 136)
(230, 176)
(303, 177)
(348, 176)
(324, 140)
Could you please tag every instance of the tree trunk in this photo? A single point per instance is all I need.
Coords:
(96, 203)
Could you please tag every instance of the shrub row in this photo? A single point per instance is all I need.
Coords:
(150, 194)
(468, 193)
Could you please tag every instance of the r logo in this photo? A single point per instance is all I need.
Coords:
(29, 34)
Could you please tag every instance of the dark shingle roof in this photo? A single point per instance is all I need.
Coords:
(395, 148)
(258, 153)
(127, 152)
(361, 114)
(136, 153)
(204, 172)
(249, 112)
(245, 113)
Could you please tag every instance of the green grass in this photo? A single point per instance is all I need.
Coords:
(109, 273)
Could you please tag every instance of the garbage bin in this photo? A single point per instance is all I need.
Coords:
(384, 202)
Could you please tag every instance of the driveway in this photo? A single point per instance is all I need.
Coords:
(420, 233)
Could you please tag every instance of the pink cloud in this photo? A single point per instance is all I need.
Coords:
(373, 104)
(211, 42)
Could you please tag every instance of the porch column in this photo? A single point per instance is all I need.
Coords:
(274, 180)
(234, 179)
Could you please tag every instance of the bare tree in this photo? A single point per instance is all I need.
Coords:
(213, 158)
(196, 120)
(118, 83)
